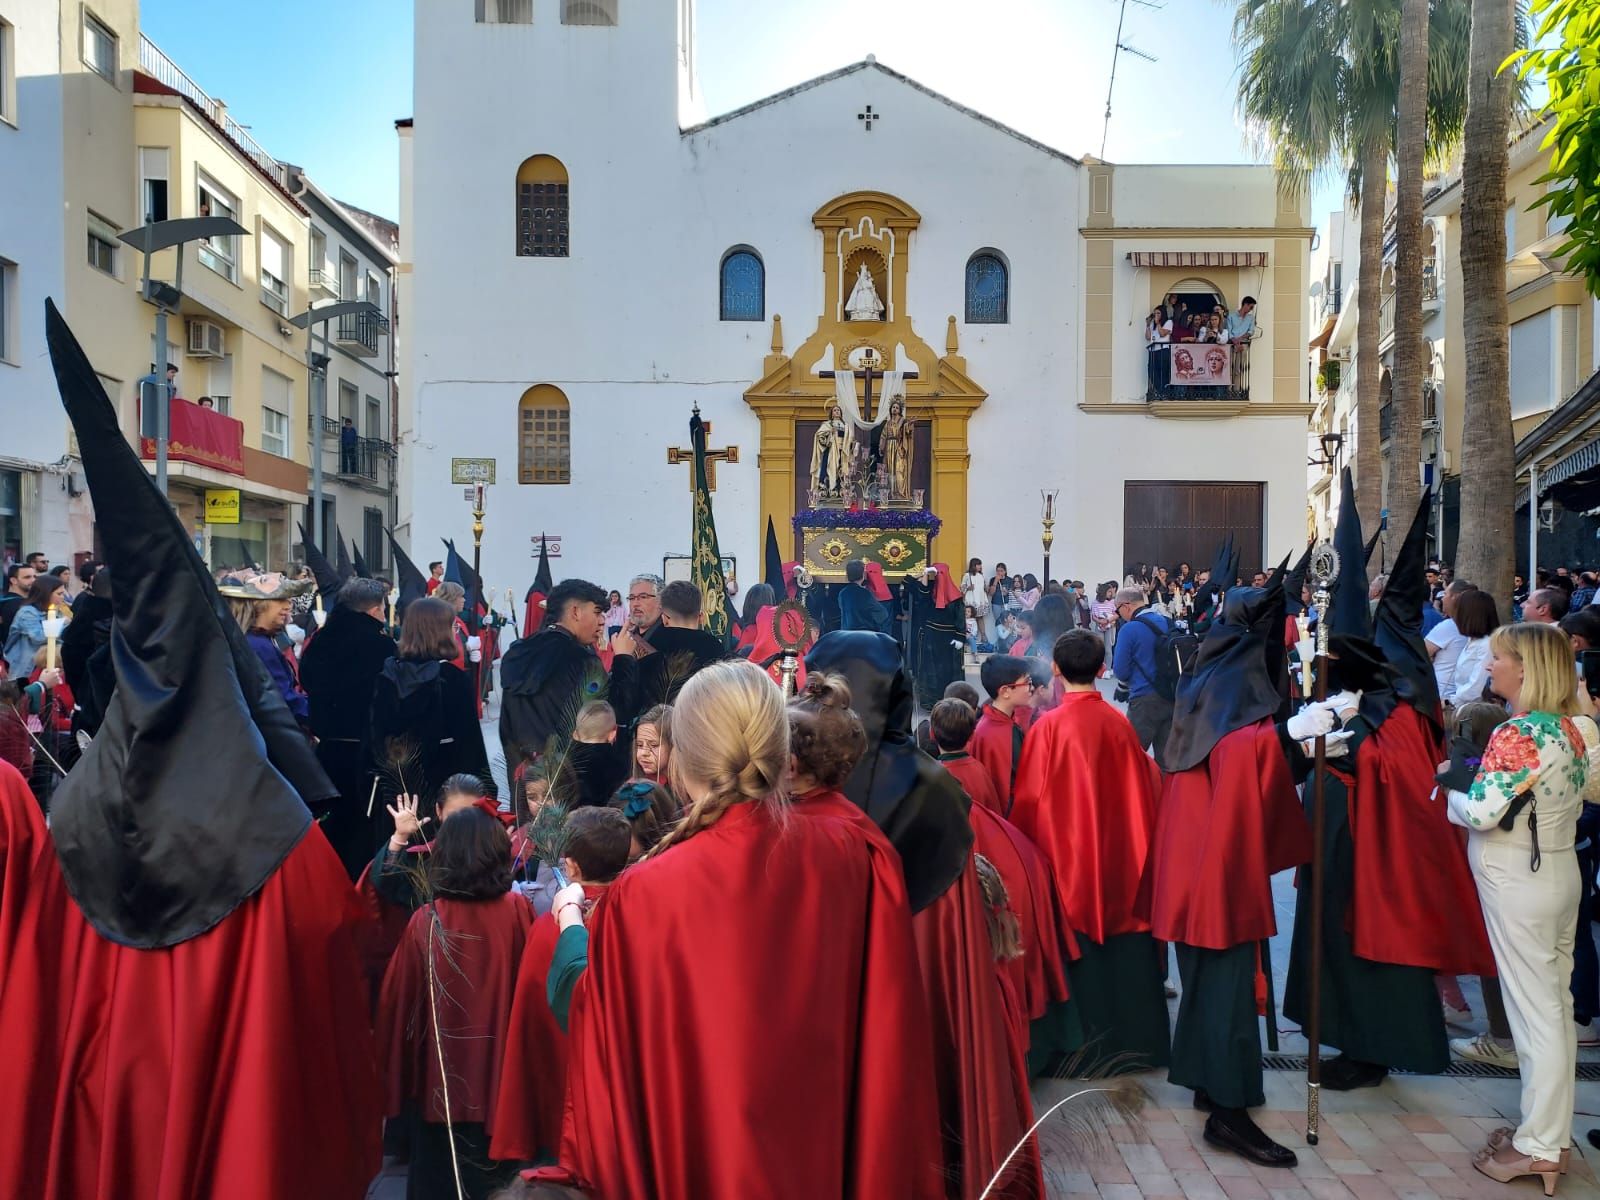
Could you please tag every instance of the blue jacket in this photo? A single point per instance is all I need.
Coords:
(24, 640)
(1134, 661)
(278, 667)
(859, 609)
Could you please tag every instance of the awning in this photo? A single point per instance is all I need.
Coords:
(1198, 258)
(1585, 458)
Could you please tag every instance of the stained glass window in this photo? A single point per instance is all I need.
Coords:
(744, 287)
(988, 290)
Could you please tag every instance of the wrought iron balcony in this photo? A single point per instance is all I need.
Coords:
(1159, 384)
(325, 279)
(358, 333)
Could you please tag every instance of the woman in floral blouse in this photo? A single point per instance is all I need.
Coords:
(1522, 815)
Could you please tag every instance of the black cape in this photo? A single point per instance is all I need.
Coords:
(340, 663)
(1231, 684)
(917, 803)
(638, 684)
(544, 680)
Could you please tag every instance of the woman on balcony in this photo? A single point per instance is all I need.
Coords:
(1158, 338)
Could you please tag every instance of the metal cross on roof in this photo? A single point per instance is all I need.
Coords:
(869, 117)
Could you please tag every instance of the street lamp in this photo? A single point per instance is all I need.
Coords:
(317, 385)
(148, 239)
(1332, 443)
(1048, 517)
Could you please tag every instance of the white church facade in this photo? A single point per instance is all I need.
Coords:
(586, 259)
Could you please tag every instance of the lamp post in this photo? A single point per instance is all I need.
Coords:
(148, 239)
(477, 544)
(317, 386)
(1048, 517)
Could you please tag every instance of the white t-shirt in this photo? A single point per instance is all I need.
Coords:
(1472, 672)
(1448, 639)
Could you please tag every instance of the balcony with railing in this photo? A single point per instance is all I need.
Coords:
(1195, 371)
(364, 461)
(1332, 301)
(167, 73)
(358, 333)
(325, 279)
(1430, 301)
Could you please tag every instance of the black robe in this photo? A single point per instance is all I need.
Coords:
(338, 670)
(544, 680)
(423, 729)
(860, 610)
(940, 650)
(638, 684)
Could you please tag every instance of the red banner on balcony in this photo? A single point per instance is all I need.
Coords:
(1202, 364)
(199, 435)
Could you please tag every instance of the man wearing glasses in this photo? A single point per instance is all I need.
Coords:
(644, 606)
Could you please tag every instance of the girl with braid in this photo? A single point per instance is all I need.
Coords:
(739, 997)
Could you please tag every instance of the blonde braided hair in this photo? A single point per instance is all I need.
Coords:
(1005, 931)
(730, 737)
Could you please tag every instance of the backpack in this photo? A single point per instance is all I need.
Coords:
(1175, 653)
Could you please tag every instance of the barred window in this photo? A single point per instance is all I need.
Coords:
(542, 208)
(544, 436)
(588, 12)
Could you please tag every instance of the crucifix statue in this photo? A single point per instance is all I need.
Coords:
(870, 369)
(713, 457)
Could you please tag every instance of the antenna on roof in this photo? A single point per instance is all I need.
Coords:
(1117, 51)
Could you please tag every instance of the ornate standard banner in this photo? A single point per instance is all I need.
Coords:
(1202, 364)
(706, 570)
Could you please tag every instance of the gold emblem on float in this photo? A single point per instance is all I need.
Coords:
(834, 551)
(895, 552)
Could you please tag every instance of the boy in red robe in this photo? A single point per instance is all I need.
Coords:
(1086, 794)
(1229, 818)
(997, 740)
(533, 1087)
(152, 932)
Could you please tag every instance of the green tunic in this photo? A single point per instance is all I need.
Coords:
(1121, 1001)
(1216, 1041)
(1373, 1012)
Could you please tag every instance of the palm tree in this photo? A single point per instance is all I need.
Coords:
(1319, 83)
(1484, 553)
(1410, 148)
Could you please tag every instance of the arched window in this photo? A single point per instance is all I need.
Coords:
(542, 208)
(588, 12)
(544, 436)
(988, 289)
(744, 286)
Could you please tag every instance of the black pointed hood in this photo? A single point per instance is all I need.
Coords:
(1358, 660)
(1398, 621)
(360, 563)
(1372, 544)
(412, 583)
(1294, 584)
(458, 569)
(328, 581)
(1205, 600)
(542, 580)
(1231, 684)
(774, 564)
(919, 805)
(347, 569)
(158, 839)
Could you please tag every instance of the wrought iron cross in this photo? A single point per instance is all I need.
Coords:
(713, 457)
(869, 117)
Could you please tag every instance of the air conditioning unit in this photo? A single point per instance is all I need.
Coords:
(206, 339)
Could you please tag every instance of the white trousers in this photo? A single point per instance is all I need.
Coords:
(1531, 918)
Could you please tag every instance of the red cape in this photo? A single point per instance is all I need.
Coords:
(533, 614)
(1040, 975)
(1223, 828)
(378, 935)
(814, 1083)
(1086, 795)
(533, 1088)
(992, 745)
(983, 1111)
(1414, 901)
(238, 1063)
(476, 949)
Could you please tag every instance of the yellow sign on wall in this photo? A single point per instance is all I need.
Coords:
(222, 506)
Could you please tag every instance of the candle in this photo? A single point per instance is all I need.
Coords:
(52, 632)
(1308, 653)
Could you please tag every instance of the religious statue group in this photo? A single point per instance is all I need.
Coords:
(875, 466)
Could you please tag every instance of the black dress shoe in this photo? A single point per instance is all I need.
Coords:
(1344, 1074)
(1232, 1129)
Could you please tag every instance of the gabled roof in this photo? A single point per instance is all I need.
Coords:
(870, 63)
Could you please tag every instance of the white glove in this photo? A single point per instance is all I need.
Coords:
(1312, 721)
(474, 643)
(296, 634)
(474, 649)
(320, 616)
(1343, 701)
(1334, 748)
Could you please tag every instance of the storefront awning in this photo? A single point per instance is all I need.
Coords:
(1198, 258)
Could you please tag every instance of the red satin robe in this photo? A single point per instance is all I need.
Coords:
(994, 744)
(238, 1063)
(1414, 901)
(1086, 794)
(1039, 976)
(476, 947)
(1223, 829)
(533, 1087)
(742, 1028)
(983, 1110)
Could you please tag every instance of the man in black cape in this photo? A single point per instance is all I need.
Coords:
(337, 671)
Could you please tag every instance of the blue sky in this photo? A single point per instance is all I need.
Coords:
(321, 82)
